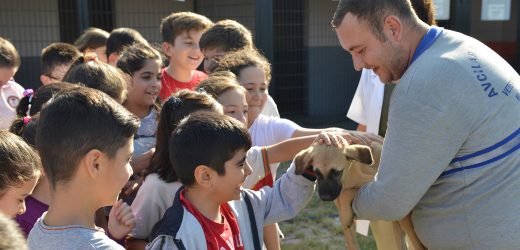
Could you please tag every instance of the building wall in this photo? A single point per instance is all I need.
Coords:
(145, 16)
(242, 11)
(332, 79)
(30, 25)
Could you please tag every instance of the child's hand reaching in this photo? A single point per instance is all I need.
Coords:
(121, 220)
(330, 139)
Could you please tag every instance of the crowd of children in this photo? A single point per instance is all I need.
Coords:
(122, 147)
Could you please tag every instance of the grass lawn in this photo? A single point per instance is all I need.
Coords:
(317, 227)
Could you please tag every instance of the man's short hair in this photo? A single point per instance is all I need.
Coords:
(206, 138)
(373, 12)
(121, 38)
(177, 23)
(9, 57)
(75, 121)
(57, 54)
(227, 35)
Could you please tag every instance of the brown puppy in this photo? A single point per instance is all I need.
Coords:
(340, 173)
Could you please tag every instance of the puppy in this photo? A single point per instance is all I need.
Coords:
(340, 173)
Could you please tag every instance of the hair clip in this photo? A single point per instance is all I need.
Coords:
(174, 101)
(28, 92)
(26, 120)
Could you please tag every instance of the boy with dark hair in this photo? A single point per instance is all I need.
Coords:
(228, 36)
(181, 34)
(56, 60)
(10, 91)
(118, 40)
(225, 36)
(84, 138)
(212, 211)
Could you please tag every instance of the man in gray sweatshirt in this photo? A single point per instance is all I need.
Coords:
(450, 155)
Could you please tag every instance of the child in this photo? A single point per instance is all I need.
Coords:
(19, 172)
(224, 37)
(56, 60)
(143, 64)
(93, 39)
(118, 40)
(90, 72)
(224, 87)
(10, 91)
(85, 141)
(25, 126)
(156, 193)
(211, 210)
(181, 33)
(11, 237)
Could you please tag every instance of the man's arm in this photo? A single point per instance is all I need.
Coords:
(421, 141)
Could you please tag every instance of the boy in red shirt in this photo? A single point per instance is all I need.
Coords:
(212, 211)
(181, 33)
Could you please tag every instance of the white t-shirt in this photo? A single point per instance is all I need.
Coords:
(266, 131)
(367, 102)
(10, 95)
(270, 108)
(150, 204)
(145, 139)
(256, 161)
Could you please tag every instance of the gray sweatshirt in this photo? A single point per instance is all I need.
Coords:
(450, 153)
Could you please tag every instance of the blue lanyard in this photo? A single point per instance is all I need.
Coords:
(431, 36)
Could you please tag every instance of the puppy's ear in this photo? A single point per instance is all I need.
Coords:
(302, 161)
(359, 153)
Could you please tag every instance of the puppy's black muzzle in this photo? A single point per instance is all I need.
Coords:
(329, 189)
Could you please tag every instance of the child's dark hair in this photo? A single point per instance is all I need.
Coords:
(9, 56)
(91, 38)
(57, 54)
(32, 102)
(173, 111)
(121, 38)
(98, 75)
(425, 10)
(240, 59)
(227, 35)
(220, 82)
(133, 58)
(76, 121)
(206, 138)
(25, 127)
(19, 163)
(176, 23)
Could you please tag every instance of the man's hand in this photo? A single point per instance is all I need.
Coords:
(121, 220)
